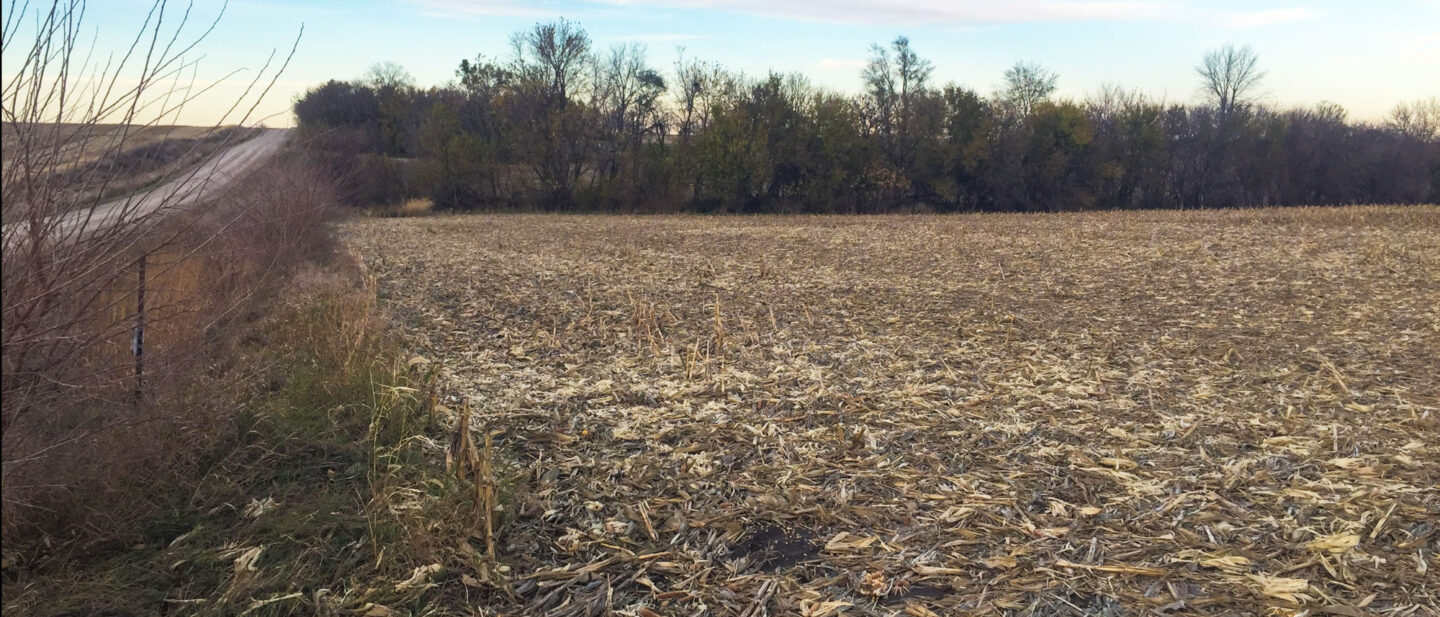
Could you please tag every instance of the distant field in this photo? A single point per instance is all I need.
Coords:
(106, 162)
(1218, 412)
(85, 144)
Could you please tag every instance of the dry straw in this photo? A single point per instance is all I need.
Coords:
(1149, 413)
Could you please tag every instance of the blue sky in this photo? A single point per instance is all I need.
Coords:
(1366, 56)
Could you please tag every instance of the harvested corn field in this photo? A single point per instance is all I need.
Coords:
(1144, 413)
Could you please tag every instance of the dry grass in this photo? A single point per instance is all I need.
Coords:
(1224, 412)
(300, 506)
(86, 442)
(416, 207)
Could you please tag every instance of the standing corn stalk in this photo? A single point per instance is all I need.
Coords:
(472, 463)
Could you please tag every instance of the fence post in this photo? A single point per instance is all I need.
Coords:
(137, 346)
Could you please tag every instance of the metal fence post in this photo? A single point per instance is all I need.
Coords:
(137, 346)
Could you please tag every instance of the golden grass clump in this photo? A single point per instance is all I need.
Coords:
(416, 207)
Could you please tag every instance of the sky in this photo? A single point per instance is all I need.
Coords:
(1366, 56)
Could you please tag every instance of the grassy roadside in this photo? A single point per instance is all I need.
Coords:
(328, 497)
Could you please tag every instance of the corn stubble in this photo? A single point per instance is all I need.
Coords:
(1224, 412)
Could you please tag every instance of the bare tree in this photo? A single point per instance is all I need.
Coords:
(1112, 99)
(626, 94)
(912, 71)
(1230, 78)
(619, 85)
(702, 87)
(555, 54)
(551, 65)
(1027, 84)
(388, 75)
(879, 78)
(689, 83)
(894, 78)
(483, 78)
(1420, 120)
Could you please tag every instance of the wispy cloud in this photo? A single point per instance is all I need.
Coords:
(1269, 18)
(896, 12)
(490, 8)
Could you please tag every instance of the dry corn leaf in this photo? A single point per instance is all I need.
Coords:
(845, 542)
(821, 609)
(245, 562)
(1065, 563)
(370, 609)
(1234, 564)
(938, 571)
(918, 610)
(1334, 543)
(420, 576)
(1000, 563)
(1119, 463)
(1346, 462)
(1288, 589)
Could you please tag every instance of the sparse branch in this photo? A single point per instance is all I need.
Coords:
(1027, 84)
(76, 216)
(1230, 78)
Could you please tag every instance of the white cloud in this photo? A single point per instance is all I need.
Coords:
(894, 12)
(1269, 18)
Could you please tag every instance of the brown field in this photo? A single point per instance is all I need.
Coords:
(83, 144)
(97, 163)
(1221, 412)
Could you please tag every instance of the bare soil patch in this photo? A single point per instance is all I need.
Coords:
(1221, 412)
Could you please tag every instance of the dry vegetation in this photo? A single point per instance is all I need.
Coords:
(275, 409)
(1221, 412)
(90, 427)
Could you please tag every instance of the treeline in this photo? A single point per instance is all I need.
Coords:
(561, 125)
